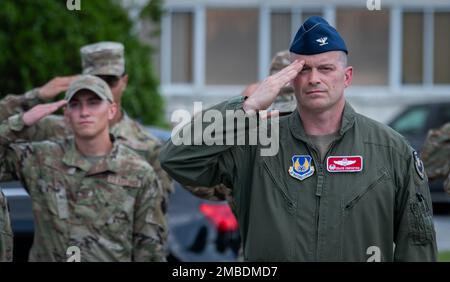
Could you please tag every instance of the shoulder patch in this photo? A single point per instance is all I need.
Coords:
(418, 165)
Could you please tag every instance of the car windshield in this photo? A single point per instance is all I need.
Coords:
(412, 121)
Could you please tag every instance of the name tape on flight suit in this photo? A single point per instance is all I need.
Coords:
(344, 163)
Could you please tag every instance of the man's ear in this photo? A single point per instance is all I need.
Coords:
(112, 110)
(348, 76)
(124, 81)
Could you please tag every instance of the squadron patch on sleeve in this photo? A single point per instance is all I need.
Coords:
(419, 165)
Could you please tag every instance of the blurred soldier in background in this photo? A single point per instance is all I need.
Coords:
(6, 235)
(105, 60)
(436, 154)
(285, 102)
(88, 191)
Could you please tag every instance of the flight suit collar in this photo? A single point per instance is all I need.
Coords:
(298, 131)
(74, 158)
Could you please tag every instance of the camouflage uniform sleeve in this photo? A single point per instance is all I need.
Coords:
(15, 104)
(219, 192)
(415, 237)
(150, 227)
(6, 235)
(49, 127)
(166, 181)
(436, 152)
(13, 155)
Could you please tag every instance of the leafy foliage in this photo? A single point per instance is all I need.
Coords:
(40, 39)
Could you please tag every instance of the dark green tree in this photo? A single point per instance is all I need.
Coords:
(40, 39)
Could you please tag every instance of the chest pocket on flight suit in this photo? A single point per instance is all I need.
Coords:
(350, 202)
(280, 186)
(357, 208)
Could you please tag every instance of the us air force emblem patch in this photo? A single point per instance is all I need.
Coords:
(302, 167)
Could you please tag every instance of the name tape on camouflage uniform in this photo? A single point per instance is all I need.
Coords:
(118, 180)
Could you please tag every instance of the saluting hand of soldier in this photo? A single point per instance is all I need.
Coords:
(55, 86)
(38, 112)
(269, 88)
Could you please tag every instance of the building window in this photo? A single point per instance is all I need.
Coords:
(366, 34)
(182, 40)
(231, 46)
(441, 48)
(280, 31)
(412, 48)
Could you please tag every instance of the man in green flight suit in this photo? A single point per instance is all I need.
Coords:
(340, 187)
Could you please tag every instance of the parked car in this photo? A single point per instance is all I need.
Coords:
(199, 230)
(413, 123)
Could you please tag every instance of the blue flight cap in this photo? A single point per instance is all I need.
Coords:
(316, 36)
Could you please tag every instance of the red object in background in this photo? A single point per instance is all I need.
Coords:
(221, 216)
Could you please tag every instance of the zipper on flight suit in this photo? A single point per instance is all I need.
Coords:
(318, 194)
(319, 188)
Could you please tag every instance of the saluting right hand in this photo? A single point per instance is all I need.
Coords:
(38, 112)
(55, 86)
(269, 88)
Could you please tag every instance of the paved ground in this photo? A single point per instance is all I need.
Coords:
(442, 226)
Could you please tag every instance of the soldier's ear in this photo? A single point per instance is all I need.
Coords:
(125, 79)
(123, 82)
(112, 110)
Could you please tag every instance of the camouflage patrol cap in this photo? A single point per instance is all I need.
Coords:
(285, 101)
(92, 83)
(103, 58)
(280, 61)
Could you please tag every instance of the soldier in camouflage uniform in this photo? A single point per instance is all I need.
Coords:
(88, 191)
(105, 60)
(6, 235)
(436, 154)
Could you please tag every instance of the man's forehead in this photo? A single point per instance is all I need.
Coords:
(331, 57)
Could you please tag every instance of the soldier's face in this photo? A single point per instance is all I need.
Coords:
(88, 114)
(320, 85)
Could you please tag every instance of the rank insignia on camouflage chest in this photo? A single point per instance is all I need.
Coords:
(302, 167)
